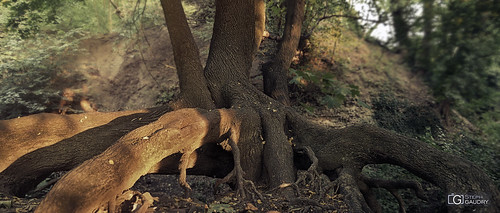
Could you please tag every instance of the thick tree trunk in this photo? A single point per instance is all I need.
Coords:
(275, 74)
(192, 83)
(231, 47)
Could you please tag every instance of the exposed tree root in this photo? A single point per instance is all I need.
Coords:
(354, 147)
(183, 165)
(345, 150)
(311, 176)
(393, 186)
(117, 168)
(89, 133)
(244, 187)
(396, 185)
(129, 201)
(347, 181)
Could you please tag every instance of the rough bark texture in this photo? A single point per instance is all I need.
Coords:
(355, 147)
(87, 134)
(275, 74)
(23, 135)
(103, 177)
(192, 83)
(231, 47)
(401, 27)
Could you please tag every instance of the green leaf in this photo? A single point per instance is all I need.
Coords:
(363, 104)
(309, 109)
(332, 101)
(297, 80)
(354, 90)
(221, 208)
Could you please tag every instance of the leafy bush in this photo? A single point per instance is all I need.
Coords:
(315, 12)
(405, 118)
(332, 93)
(29, 69)
(38, 38)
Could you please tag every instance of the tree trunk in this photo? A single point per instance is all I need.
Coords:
(401, 27)
(275, 74)
(192, 83)
(426, 56)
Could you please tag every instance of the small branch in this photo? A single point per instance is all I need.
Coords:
(398, 197)
(348, 178)
(117, 11)
(311, 172)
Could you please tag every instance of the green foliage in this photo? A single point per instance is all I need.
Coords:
(200, 12)
(167, 95)
(275, 16)
(315, 12)
(31, 17)
(333, 92)
(27, 74)
(405, 118)
(220, 208)
(422, 123)
(27, 16)
(38, 39)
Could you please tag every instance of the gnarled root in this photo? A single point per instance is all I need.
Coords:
(130, 201)
(243, 187)
(183, 166)
(310, 176)
(393, 186)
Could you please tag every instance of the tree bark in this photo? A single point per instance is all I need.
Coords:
(426, 56)
(192, 83)
(231, 47)
(354, 147)
(275, 74)
(101, 178)
(401, 27)
(29, 158)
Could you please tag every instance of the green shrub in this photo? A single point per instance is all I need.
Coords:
(332, 93)
(29, 69)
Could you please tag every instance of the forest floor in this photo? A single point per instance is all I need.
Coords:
(123, 74)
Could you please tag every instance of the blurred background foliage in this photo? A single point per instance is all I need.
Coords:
(38, 38)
